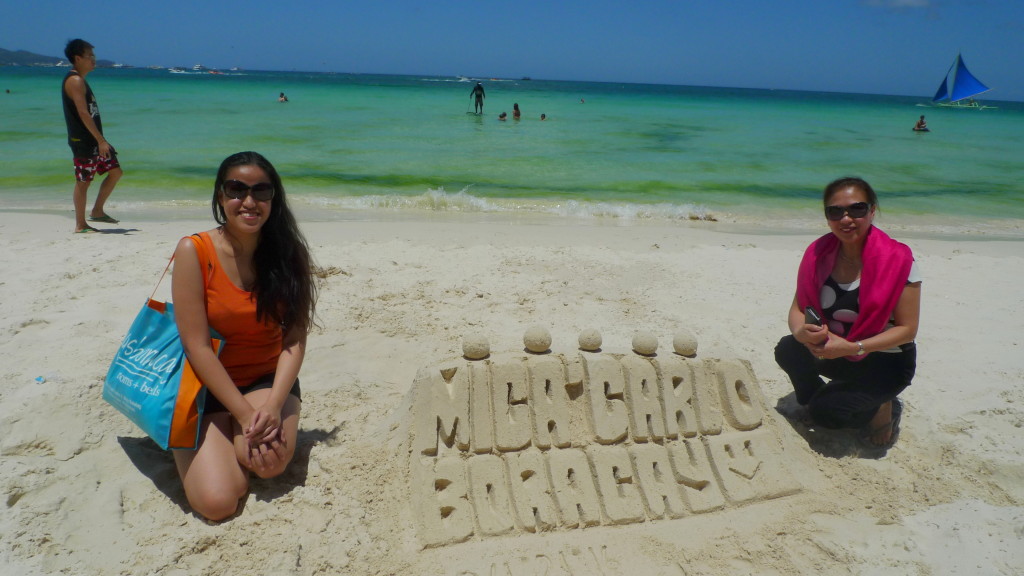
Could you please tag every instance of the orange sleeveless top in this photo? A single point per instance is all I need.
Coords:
(251, 348)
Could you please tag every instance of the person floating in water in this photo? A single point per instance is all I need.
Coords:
(515, 112)
(478, 96)
(921, 125)
(282, 98)
(543, 117)
(502, 116)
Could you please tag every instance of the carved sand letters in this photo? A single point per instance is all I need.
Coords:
(529, 443)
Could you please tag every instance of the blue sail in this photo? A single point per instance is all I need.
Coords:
(959, 83)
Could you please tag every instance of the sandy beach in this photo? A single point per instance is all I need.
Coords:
(86, 493)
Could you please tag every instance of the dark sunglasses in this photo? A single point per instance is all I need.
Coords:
(236, 190)
(855, 210)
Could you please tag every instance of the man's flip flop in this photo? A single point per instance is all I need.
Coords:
(894, 425)
(89, 230)
(103, 218)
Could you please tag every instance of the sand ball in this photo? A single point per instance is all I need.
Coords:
(685, 343)
(537, 339)
(645, 343)
(475, 346)
(590, 340)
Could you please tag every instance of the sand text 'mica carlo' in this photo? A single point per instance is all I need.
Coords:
(539, 441)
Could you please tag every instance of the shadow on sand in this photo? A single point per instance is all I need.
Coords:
(158, 465)
(122, 231)
(828, 443)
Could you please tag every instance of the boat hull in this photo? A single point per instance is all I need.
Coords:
(965, 105)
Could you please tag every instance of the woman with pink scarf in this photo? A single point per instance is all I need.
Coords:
(866, 289)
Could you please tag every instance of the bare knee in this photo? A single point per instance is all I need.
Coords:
(216, 505)
(272, 469)
(267, 473)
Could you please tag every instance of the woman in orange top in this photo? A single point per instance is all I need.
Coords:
(249, 280)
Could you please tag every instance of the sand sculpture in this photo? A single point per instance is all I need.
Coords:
(590, 340)
(537, 339)
(538, 441)
(476, 347)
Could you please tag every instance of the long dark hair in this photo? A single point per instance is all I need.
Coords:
(284, 290)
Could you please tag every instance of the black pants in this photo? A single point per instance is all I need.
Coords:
(856, 389)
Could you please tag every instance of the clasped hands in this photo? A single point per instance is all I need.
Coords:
(823, 344)
(265, 437)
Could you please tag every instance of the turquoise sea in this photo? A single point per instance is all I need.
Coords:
(349, 146)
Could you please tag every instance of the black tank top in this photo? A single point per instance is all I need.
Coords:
(82, 144)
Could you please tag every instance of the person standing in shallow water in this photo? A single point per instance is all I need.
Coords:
(478, 96)
(92, 153)
(853, 320)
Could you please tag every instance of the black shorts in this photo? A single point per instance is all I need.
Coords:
(213, 405)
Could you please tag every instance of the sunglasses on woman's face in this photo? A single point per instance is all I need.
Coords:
(855, 210)
(237, 190)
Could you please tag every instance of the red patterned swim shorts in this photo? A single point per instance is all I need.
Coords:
(87, 168)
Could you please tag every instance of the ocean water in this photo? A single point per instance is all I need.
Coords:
(351, 145)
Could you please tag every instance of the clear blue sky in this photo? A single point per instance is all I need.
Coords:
(868, 46)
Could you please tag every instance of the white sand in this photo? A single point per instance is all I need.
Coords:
(86, 493)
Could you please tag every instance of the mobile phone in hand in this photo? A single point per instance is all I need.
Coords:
(811, 316)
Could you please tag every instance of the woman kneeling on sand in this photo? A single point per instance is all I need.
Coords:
(250, 281)
(853, 320)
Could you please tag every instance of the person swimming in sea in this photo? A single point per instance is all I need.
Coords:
(921, 125)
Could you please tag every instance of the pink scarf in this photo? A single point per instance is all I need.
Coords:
(886, 267)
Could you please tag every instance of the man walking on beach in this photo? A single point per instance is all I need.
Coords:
(92, 153)
(478, 98)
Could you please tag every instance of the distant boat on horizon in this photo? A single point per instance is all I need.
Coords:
(959, 87)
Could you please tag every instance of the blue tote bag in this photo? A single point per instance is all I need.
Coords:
(151, 381)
